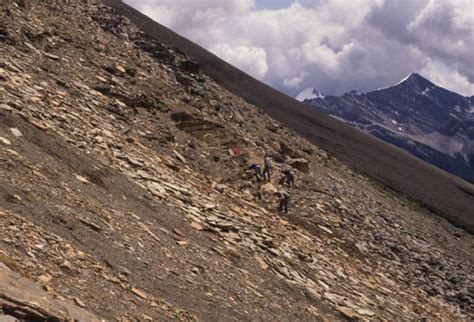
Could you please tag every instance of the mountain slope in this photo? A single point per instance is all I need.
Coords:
(443, 194)
(426, 120)
(118, 193)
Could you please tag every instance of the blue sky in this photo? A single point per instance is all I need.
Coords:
(273, 4)
(334, 46)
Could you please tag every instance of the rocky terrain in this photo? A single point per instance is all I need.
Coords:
(426, 120)
(125, 195)
(444, 194)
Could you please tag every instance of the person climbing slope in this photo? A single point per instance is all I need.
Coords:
(267, 168)
(257, 171)
(289, 178)
(284, 199)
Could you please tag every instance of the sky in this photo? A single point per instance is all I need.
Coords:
(273, 4)
(334, 46)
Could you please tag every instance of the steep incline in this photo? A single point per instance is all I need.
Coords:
(118, 193)
(443, 193)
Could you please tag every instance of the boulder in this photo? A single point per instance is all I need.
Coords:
(268, 188)
(299, 164)
(21, 299)
(286, 150)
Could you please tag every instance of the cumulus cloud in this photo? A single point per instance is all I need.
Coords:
(332, 45)
(447, 76)
(251, 59)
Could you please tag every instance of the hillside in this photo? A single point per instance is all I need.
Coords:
(448, 196)
(125, 194)
(426, 120)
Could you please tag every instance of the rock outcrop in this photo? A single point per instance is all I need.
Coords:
(22, 300)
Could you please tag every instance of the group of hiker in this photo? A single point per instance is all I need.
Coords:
(287, 178)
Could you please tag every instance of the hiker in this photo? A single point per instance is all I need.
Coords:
(257, 171)
(267, 168)
(289, 178)
(284, 199)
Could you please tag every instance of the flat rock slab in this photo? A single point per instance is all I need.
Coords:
(22, 299)
(7, 318)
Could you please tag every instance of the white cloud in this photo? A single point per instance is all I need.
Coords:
(332, 45)
(445, 30)
(251, 59)
(294, 82)
(447, 77)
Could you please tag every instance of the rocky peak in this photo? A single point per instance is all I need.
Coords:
(414, 82)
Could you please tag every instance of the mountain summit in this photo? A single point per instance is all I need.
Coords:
(415, 80)
(415, 114)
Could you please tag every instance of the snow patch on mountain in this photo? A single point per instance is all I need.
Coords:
(404, 79)
(308, 94)
(425, 91)
(400, 82)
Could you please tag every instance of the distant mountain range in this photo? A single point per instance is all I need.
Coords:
(428, 121)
